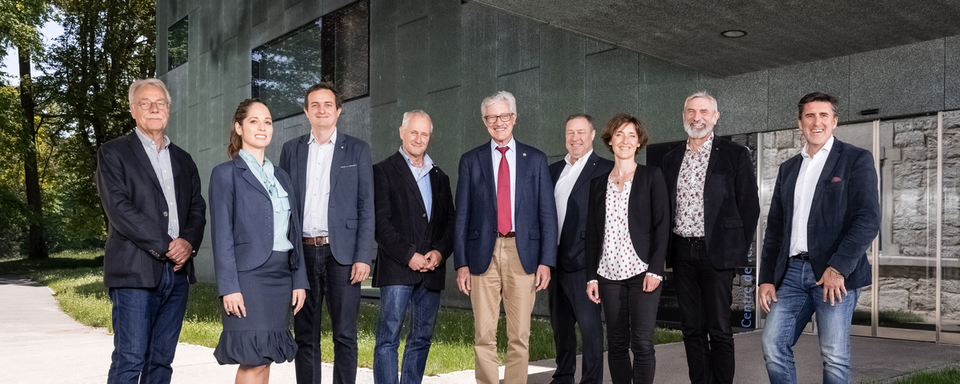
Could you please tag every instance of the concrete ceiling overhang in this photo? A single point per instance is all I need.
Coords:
(779, 33)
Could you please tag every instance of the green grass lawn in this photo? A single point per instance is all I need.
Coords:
(944, 376)
(77, 281)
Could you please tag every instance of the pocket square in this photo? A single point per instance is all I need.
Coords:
(354, 165)
(835, 180)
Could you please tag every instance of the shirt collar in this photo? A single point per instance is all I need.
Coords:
(706, 144)
(585, 156)
(427, 161)
(826, 148)
(512, 144)
(148, 142)
(333, 138)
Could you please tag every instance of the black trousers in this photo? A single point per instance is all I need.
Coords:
(631, 315)
(331, 279)
(704, 295)
(570, 307)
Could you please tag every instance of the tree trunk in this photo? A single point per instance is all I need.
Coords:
(36, 245)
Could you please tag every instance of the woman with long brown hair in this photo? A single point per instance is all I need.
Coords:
(257, 253)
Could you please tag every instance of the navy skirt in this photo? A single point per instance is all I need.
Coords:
(263, 337)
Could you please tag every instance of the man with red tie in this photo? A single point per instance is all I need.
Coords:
(505, 238)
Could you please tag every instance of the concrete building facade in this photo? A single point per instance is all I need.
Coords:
(445, 56)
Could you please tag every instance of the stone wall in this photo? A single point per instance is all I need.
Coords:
(908, 167)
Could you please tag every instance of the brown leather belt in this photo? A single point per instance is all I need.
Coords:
(316, 241)
(508, 234)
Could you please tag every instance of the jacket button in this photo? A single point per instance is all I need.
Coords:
(424, 215)
(164, 213)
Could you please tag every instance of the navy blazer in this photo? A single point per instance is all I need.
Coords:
(844, 217)
(136, 210)
(570, 256)
(648, 218)
(402, 225)
(350, 219)
(241, 225)
(535, 213)
(731, 205)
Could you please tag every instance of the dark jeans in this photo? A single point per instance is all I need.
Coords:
(704, 295)
(331, 279)
(569, 307)
(146, 327)
(631, 315)
(394, 301)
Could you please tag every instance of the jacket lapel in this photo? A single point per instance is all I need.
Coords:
(136, 146)
(300, 172)
(249, 176)
(404, 170)
(339, 155)
(712, 162)
(832, 159)
(586, 174)
(520, 178)
(486, 168)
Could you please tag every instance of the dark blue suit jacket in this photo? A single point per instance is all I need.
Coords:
(137, 239)
(241, 225)
(351, 213)
(844, 217)
(570, 256)
(535, 221)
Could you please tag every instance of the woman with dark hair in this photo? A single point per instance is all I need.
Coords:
(257, 253)
(626, 245)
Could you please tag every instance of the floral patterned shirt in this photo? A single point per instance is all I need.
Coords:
(693, 173)
(619, 260)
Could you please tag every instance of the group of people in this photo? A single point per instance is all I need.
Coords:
(288, 237)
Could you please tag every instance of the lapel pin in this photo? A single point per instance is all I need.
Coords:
(524, 153)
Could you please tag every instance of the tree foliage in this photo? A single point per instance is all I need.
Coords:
(80, 102)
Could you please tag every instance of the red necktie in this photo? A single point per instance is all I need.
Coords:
(503, 193)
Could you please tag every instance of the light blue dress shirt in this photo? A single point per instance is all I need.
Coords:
(278, 198)
(422, 176)
(160, 160)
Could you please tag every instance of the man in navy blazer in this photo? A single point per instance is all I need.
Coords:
(332, 177)
(824, 214)
(714, 209)
(569, 304)
(150, 193)
(505, 237)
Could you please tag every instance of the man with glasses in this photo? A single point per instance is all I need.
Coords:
(150, 193)
(505, 238)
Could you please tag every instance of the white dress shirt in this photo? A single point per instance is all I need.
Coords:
(160, 160)
(512, 163)
(810, 170)
(568, 178)
(317, 199)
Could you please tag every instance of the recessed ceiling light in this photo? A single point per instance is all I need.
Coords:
(733, 33)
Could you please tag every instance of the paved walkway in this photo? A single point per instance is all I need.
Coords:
(41, 344)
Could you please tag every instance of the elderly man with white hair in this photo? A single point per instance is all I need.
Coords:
(714, 208)
(505, 239)
(150, 192)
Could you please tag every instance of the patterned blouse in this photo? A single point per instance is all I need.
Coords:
(693, 174)
(619, 260)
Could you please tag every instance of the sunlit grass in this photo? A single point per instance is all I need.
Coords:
(77, 281)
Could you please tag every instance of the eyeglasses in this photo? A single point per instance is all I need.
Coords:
(146, 105)
(490, 119)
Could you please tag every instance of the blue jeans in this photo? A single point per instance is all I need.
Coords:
(394, 300)
(146, 327)
(799, 297)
